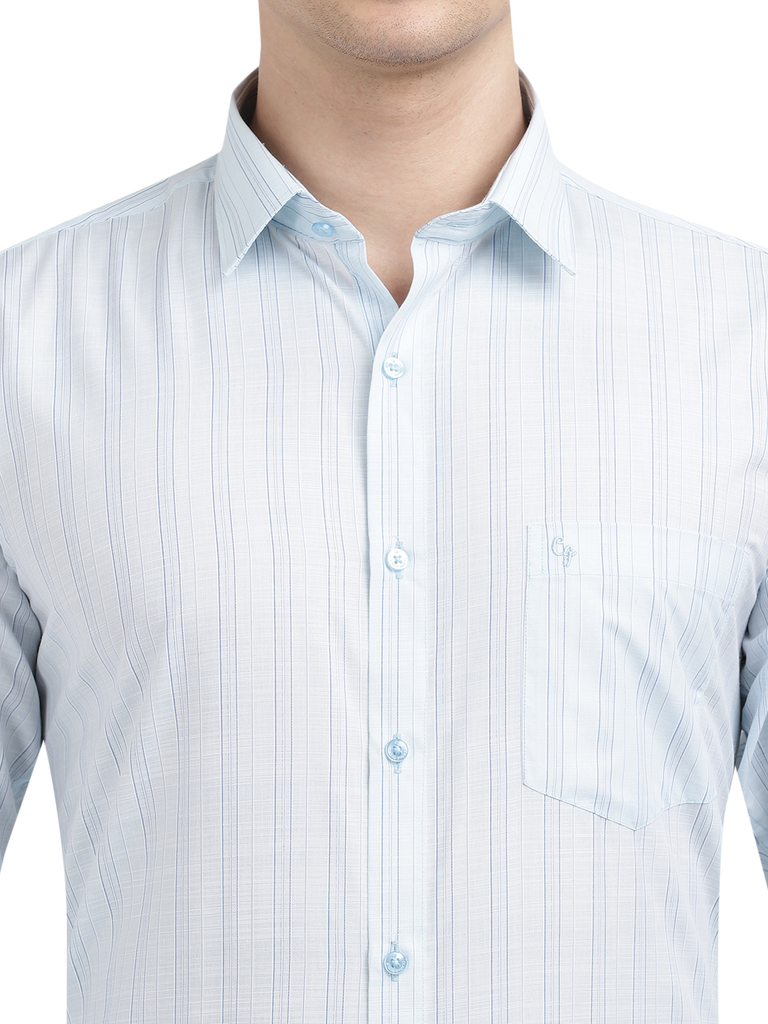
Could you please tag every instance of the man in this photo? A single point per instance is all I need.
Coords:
(384, 548)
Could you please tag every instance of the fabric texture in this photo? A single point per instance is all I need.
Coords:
(392, 662)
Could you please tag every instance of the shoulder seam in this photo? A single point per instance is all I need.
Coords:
(143, 200)
(591, 186)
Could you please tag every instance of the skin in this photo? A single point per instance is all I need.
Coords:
(390, 112)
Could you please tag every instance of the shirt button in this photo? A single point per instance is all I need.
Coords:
(395, 962)
(323, 229)
(397, 559)
(393, 367)
(396, 750)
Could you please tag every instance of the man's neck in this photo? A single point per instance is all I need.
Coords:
(387, 147)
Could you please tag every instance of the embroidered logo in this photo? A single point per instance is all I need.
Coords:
(564, 551)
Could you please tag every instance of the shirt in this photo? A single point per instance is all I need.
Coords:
(393, 663)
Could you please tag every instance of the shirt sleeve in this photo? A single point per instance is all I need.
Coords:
(20, 716)
(752, 754)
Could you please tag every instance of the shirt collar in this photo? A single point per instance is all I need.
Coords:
(251, 185)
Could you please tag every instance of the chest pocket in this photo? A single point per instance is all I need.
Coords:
(621, 627)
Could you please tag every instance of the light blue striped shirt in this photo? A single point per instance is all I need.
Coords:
(392, 663)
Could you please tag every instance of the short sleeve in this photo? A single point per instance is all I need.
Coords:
(20, 717)
(752, 758)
